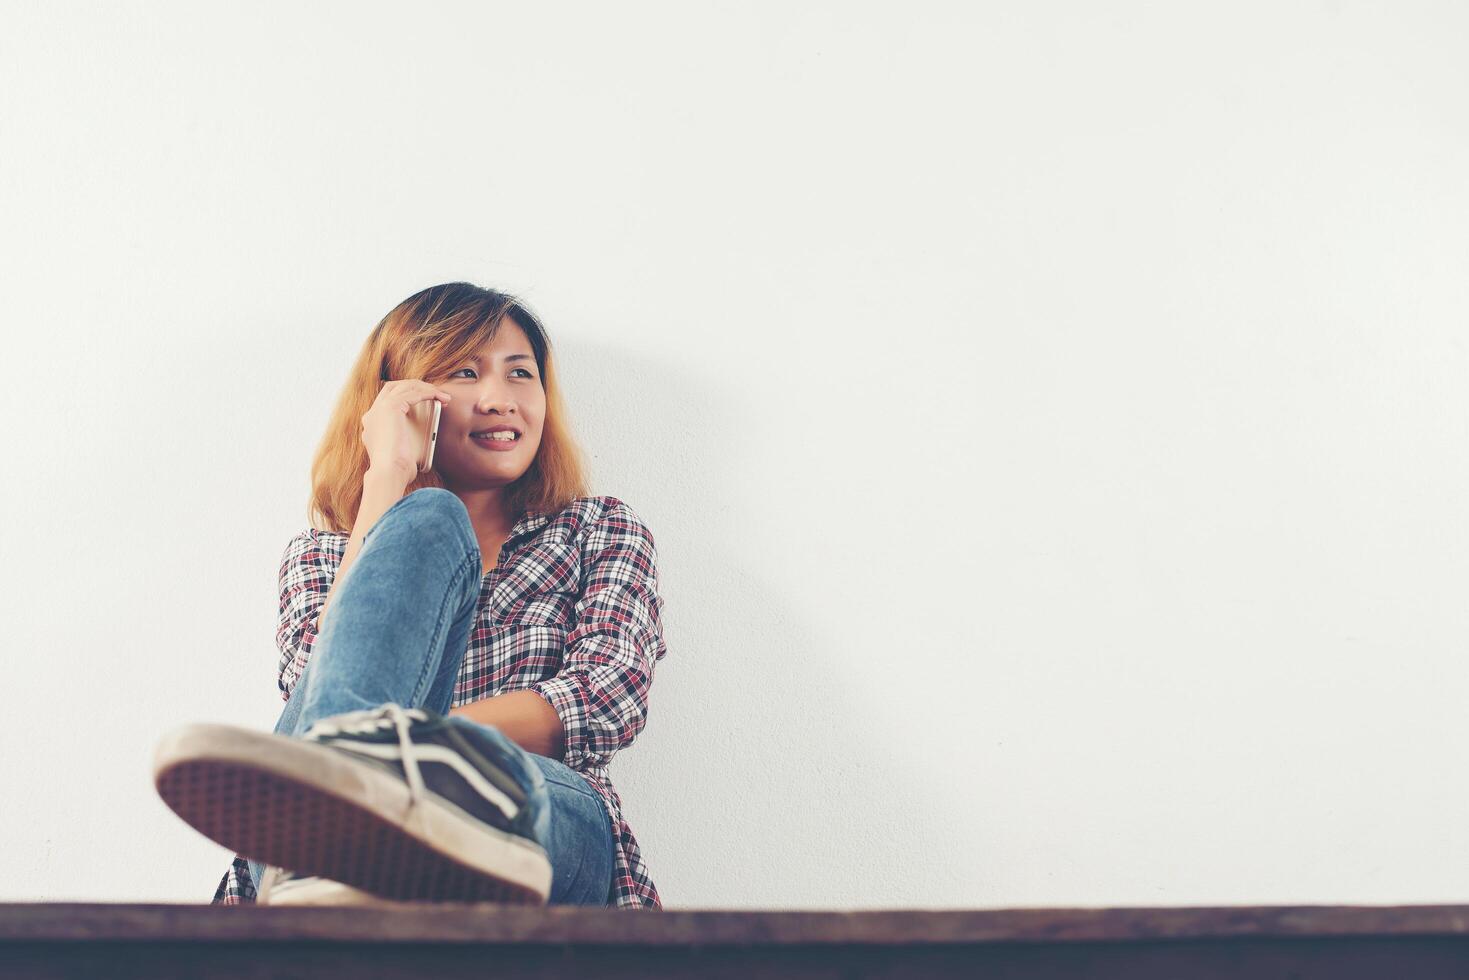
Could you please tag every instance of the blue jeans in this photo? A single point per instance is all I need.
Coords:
(397, 629)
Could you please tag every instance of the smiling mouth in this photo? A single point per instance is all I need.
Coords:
(496, 445)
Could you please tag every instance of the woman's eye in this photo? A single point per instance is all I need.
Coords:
(528, 374)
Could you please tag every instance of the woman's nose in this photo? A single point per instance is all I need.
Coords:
(497, 400)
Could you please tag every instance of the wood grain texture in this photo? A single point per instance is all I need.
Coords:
(489, 923)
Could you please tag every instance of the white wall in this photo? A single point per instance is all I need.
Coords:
(1052, 417)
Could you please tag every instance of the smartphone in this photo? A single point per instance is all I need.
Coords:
(428, 424)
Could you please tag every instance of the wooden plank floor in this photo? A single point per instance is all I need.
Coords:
(160, 941)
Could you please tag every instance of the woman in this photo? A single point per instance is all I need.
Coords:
(448, 724)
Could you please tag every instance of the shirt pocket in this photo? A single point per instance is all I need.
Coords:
(540, 586)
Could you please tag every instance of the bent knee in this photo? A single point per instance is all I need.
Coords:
(434, 508)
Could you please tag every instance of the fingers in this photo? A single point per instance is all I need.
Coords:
(414, 390)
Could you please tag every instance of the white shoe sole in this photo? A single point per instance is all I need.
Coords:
(324, 891)
(293, 803)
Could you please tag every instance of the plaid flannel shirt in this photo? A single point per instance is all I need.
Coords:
(572, 613)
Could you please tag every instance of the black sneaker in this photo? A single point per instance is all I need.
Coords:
(400, 803)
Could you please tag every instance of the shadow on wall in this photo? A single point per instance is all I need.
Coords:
(790, 790)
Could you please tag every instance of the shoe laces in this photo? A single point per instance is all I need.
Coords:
(365, 722)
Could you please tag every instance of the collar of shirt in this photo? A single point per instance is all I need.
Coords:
(529, 523)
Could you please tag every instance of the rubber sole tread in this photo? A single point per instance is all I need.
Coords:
(275, 820)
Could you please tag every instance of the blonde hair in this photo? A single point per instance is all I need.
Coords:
(426, 336)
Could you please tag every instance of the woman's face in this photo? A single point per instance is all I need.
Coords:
(499, 386)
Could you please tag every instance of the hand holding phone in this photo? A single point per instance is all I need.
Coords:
(401, 428)
(426, 421)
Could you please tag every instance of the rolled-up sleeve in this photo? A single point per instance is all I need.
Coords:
(616, 641)
(307, 568)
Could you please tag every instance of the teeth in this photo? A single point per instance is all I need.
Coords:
(499, 436)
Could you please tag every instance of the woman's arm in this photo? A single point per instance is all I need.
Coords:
(524, 717)
(310, 568)
(306, 570)
(381, 489)
(601, 691)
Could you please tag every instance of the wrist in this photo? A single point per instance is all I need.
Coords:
(388, 476)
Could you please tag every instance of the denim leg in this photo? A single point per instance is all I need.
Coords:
(398, 624)
(580, 841)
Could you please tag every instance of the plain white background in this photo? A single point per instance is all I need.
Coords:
(1051, 417)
